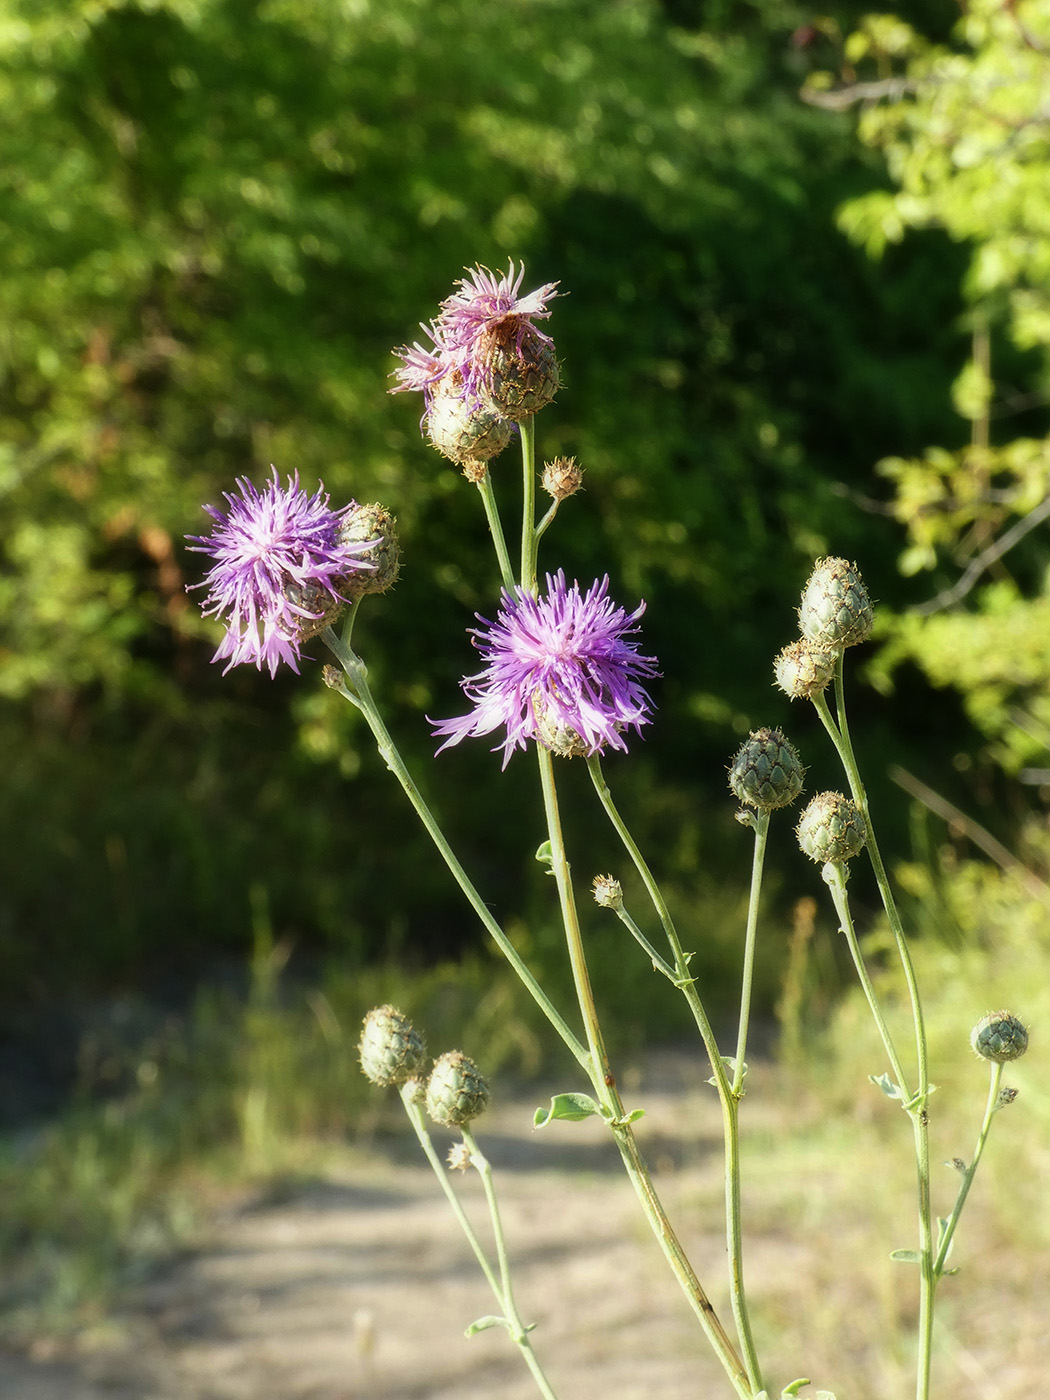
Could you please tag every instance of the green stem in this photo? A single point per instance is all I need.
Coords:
(728, 1099)
(750, 941)
(499, 541)
(917, 1110)
(660, 964)
(501, 1288)
(604, 1085)
(355, 689)
(970, 1172)
(529, 536)
(835, 879)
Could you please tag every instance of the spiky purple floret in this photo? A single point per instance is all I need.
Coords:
(567, 650)
(484, 302)
(266, 544)
(484, 307)
(421, 369)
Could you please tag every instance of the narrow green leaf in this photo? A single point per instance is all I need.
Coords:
(907, 1256)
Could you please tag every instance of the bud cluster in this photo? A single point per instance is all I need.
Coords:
(392, 1051)
(835, 613)
(490, 366)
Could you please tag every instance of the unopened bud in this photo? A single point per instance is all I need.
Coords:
(607, 892)
(458, 1158)
(804, 669)
(374, 524)
(456, 1090)
(391, 1049)
(766, 772)
(999, 1037)
(521, 370)
(562, 477)
(464, 432)
(836, 610)
(832, 829)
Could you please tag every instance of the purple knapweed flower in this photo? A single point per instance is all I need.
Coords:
(485, 305)
(279, 562)
(484, 335)
(557, 666)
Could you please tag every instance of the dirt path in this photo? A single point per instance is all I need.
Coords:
(360, 1287)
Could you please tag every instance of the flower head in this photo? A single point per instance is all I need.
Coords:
(280, 559)
(486, 306)
(558, 662)
(487, 347)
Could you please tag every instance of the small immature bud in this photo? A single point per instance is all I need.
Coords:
(766, 772)
(1004, 1098)
(836, 610)
(372, 524)
(392, 1051)
(607, 892)
(458, 1158)
(804, 669)
(999, 1037)
(562, 477)
(463, 431)
(832, 829)
(456, 1091)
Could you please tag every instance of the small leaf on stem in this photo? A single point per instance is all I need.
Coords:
(572, 1107)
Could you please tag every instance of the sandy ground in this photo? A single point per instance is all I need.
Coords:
(359, 1287)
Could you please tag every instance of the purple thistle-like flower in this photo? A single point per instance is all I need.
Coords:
(485, 304)
(486, 314)
(421, 369)
(556, 663)
(279, 561)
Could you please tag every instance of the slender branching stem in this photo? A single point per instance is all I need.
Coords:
(354, 687)
(500, 1284)
(750, 941)
(968, 1175)
(529, 533)
(728, 1098)
(659, 963)
(606, 1091)
(835, 879)
(499, 543)
(917, 1108)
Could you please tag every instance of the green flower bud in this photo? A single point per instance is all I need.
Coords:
(375, 524)
(832, 829)
(562, 477)
(999, 1037)
(607, 892)
(766, 772)
(804, 669)
(836, 610)
(391, 1049)
(522, 371)
(468, 434)
(456, 1091)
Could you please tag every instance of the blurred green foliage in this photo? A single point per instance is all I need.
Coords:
(965, 133)
(219, 216)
